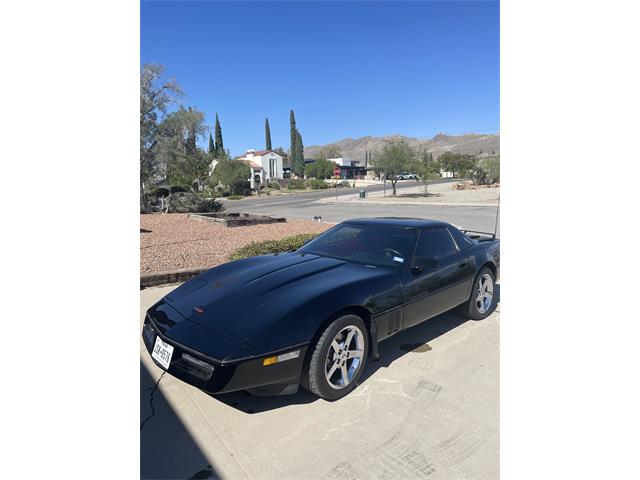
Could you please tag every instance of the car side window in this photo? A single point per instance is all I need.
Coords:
(435, 243)
(461, 239)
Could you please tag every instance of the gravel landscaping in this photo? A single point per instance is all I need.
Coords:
(173, 242)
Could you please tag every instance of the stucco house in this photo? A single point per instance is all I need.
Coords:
(265, 165)
(350, 168)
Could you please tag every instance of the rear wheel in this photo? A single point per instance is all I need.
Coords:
(482, 302)
(338, 358)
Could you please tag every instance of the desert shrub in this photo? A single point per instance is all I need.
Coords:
(296, 183)
(346, 183)
(152, 203)
(185, 202)
(486, 171)
(210, 205)
(288, 244)
(317, 184)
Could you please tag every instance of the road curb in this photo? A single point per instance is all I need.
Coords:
(433, 204)
(165, 278)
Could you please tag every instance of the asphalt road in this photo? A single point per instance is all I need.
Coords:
(428, 409)
(302, 206)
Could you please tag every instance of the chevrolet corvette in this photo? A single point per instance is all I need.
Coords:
(315, 316)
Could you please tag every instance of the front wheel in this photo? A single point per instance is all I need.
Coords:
(482, 302)
(338, 358)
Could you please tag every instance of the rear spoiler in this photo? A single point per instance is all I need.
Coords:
(492, 235)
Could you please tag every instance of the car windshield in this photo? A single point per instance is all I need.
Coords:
(373, 245)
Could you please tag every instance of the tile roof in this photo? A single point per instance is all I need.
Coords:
(250, 163)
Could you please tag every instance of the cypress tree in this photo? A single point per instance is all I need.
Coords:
(297, 161)
(293, 131)
(267, 134)
(219, 147)
(212, 147)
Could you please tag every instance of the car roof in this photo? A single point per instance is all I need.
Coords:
(397, 222)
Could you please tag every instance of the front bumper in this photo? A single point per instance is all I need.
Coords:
(215, 376)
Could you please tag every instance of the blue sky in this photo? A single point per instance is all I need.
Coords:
(348, 69)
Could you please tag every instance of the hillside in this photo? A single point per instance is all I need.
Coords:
(470, 143)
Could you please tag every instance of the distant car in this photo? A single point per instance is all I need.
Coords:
(406, 176)
(314, 316)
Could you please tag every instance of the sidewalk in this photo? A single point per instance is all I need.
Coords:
(440, 194)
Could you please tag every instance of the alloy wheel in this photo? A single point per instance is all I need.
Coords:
(344, 357)
(484, 293)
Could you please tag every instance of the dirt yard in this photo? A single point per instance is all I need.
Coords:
(173, 242)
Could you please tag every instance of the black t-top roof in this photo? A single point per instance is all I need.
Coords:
(397, 222)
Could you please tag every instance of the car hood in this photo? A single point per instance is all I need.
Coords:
(260, 289)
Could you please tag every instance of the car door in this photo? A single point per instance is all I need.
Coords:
(430, 286)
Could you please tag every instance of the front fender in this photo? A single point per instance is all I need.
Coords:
(295, 322)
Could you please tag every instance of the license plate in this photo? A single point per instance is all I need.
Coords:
(162, 352)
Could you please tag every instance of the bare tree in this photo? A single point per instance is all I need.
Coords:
(427, 169)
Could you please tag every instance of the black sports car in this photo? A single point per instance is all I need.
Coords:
(314, 316)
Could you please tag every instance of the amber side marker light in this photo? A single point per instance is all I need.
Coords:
(280, 358)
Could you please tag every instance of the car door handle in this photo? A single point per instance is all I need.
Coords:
(462, 265)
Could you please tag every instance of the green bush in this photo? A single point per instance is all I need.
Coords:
(210, 205)
(233, 175)
(274, 185)
(486, 171)
(296, 183)
(320, 169)
(317, 184)
(288, 244)
(178, 188)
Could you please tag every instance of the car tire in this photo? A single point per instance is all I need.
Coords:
(326, 369)
(479, 307)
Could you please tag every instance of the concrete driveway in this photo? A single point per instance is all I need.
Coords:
(428, 409)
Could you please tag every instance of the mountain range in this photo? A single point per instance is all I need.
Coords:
(472, 143)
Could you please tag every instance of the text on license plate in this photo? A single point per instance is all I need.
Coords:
(162, 352)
